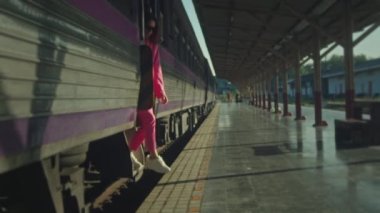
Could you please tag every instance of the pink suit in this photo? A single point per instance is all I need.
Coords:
(146, 118)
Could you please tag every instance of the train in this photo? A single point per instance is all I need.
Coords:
(69, 85)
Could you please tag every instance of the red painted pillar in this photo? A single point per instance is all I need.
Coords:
(298, 87)
(317, 82)
(276, 93)
(285, 94)
(348, 60)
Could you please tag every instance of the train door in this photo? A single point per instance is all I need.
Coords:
(147, 8)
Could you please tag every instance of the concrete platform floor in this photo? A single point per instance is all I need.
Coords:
(262, 162)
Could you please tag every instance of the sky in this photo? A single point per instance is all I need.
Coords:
(369, 46)
(189, 7)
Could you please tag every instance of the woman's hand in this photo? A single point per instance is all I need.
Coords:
(163, 99)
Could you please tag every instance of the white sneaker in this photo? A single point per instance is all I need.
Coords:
(138, 167)
(157, 165)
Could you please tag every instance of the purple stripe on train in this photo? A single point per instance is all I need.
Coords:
(21, 134)
(108, 16)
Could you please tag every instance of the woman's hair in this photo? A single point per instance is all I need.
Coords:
(155, 37)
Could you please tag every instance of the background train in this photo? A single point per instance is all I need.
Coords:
(69, 79)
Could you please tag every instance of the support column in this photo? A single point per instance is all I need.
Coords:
(348, 60)
(276, 93)
(259, 94)
(298, 87)
(256, 94)
(269, 94)
(317, 82)
(264, 93)
(285, 93)
(253, 95)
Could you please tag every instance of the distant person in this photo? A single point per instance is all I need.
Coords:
(237, 98)
(151, 86)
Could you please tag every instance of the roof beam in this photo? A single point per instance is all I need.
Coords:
(279, 55)
(365, 34)
(311, 23)
(262, 30)
(256, 10)
(231, 21)
(242, 40)
(239, 28)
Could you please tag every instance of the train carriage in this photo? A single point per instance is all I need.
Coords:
(69, 85)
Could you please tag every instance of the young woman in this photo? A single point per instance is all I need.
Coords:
(151, 86)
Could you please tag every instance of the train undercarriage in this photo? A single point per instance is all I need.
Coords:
(86, 177)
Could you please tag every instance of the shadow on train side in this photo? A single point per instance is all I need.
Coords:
(26, 180)
(48, 71)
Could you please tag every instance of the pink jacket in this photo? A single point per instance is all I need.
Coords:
(158, 80)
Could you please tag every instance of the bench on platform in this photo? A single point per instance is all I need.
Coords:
(358, 132)
(351, 133)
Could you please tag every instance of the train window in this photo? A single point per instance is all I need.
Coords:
(176, 40)
(170, 19)
(183, 49)
(164, 19)
(151, 8)
(126, 7)
(146, 9)
(192, 59)
(162, 29)
(187, 54)
(179, 46)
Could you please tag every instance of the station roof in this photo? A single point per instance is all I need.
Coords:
(247, 37)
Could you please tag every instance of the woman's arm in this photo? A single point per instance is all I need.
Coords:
(158, 80)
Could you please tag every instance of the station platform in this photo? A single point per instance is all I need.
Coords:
(245, 159)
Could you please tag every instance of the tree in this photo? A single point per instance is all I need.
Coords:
(360, 58)
(334, 63)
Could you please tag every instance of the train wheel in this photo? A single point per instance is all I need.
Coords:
(178, 130)
(172, 128)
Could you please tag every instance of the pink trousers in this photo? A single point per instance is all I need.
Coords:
(147, 131)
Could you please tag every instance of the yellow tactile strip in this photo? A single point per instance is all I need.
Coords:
(181, 190)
